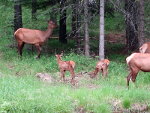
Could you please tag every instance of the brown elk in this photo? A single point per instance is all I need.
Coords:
(145, 48)
(65, 66)
(101, 66)
(33, 36)
(137, 62)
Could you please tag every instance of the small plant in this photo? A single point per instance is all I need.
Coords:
(126, 103)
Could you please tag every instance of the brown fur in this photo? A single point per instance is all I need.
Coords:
(145, 48)
(101, 66)
(33, 36)
(137, 62)
(66, 66)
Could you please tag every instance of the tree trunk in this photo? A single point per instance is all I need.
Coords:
(74, 19)
(141, 22)
(101, 35)
(131, 25)
(62, 23)
(17, 15)
(76, 24)
(34, 9)
(86, 30)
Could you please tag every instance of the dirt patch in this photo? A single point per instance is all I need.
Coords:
(138, 107)
(80, 109)
(45, 77)
(116, 106)
(134, 108)
(82, 79)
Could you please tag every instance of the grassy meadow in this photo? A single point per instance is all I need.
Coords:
(22, 92)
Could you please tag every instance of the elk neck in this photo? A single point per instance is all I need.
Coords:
(48, 32)
(59, 60)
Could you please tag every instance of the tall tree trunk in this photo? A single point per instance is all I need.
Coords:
(34, 9)
(131, 25)
(141, 22)
(17, 14)
(86, 30)
(62, 23)
(74, 18)
(101, 35)
(76, 24)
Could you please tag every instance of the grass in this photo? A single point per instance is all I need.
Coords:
(22, 92)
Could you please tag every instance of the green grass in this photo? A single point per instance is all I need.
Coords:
(22, 92)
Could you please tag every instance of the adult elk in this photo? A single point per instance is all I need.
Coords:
(137, 62)
(101, 66)
(65, 66)
(33, 36)
(145, 48)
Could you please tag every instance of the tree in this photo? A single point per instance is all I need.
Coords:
(131, 24)
(76, 12)
(141, 22)
(17, 14)
(34, 9)
(101, 35)
(86, 31)
(62, 23)
(134, 16)
(74, 18)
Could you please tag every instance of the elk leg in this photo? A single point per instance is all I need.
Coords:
(32, 49)
(105, 71)
(128, 78)
(72, 74)
(95, 73)
(134, 75)
(62, 74)
(38, 46)
(20, 47)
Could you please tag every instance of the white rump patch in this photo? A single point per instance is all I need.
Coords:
(128, 59)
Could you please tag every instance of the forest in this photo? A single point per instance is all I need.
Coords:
(74, 56)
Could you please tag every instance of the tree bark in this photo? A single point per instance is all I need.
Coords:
(17, 14)
(131, 25)
(141, 23)
(62, 23)
(74, 19)
(101, 35)
(34, 9)
(76, 24)
(86, 30)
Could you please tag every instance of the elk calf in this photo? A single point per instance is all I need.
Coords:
(137, 62)
(101, 66)
(65, 66)
(145, 48)
(32, 36)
